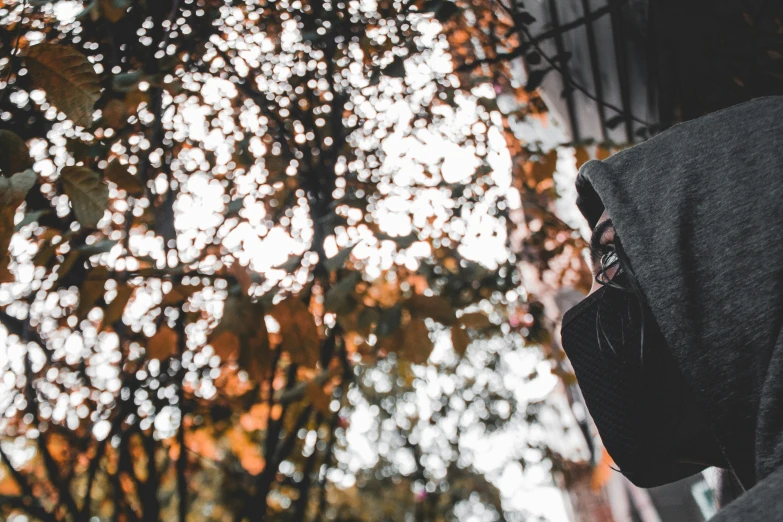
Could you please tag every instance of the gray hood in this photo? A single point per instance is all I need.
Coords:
(699, 209)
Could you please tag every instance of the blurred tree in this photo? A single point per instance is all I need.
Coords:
(228, 225)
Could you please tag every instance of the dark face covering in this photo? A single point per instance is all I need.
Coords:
(630, 383)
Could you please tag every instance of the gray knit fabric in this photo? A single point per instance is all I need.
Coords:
(699, 209)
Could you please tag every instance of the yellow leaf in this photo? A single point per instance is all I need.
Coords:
(459, 340)
(117, 306)
(163, 344)
(88, 194)
(67, 77)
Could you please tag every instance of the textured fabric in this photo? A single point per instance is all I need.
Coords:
(700, 211)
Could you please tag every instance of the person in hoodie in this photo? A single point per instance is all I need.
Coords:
(678, 347)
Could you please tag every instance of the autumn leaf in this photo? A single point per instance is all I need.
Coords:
(180, 293)
(541, 170)
(163, 344)
(459, 340)
(475, 320)
(298, 331)
(602, 153)
(14, 154)
(254, 355)
(201, 442)
(117, 306)
(14, 189)
(45, 254)
(338, 261)
(435, 307)
(67, 77)
(256, 418)
(416, 343)
(68, 263)
(389, 321)
(9, 486)
(240, 316)
(318, 397)
(242, 331)
(581, 156)
(114, 113)
(58, 447)
(118, 174)
(6, 234)
(225, 344)
(338, 298)
(88, 194)
(30, 217)
(12, 192)
(246, 450)
(91, 290)
(242, 275)
(396, 69)
(113, 10)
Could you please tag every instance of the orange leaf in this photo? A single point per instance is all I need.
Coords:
(475, 320)
(226, 344)
(180, 293)
(117, 306)
(541, 170)
(114, 113)
(256, 418)
(435, 307)
(459, 340)
(163, 344)
(416, 344)
(298, 332)
(602, 153)
(242, 275)
(582, 157)
(319, 399)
